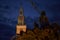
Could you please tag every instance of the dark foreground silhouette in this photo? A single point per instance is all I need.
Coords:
(46, 32)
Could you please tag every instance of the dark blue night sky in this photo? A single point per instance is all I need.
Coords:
(9, 11)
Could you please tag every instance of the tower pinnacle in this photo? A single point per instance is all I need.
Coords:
(21, 11)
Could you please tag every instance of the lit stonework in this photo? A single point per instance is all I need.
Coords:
(20, 28)
(21, 25)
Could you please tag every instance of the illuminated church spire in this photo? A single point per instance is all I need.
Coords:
(21, 16)
(21, 24)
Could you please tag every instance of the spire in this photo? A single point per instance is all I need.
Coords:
(21, 11)
(21, 16)
(21, 8)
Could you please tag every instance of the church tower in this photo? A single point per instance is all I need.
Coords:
(21, 24)
(21, 17)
